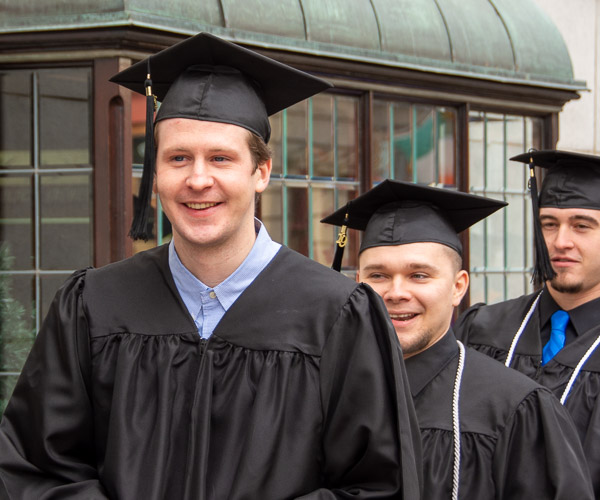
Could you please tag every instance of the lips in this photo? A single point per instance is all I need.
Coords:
(563, 260)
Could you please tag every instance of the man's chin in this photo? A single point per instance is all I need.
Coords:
(562, 286)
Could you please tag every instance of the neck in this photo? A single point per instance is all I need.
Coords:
(213, 265)
(568, 301)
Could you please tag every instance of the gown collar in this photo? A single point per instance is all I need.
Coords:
(425, 366)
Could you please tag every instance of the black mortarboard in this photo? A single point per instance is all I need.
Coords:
(210, 79)
(397, 213)
(572, 180)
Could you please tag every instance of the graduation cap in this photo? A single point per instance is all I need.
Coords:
(572, 180)
(397, 213)
(210, 79)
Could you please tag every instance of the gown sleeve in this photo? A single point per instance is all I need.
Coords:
(371, 439)
(46, 434)
(539, 454)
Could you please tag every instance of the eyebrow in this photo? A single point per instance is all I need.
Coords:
(573, 218)
(413, 265)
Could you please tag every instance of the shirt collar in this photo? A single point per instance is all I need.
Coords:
(422, 368)
(583, 318)
(227, 292)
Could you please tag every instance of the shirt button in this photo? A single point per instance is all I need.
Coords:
(212, 295)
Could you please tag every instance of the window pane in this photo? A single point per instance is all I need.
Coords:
(297, 162)
(323, 203)
(16, 219)
(494, 152)
(380, 155)
(347, 143)
(271, 208)
(65, 122)
(476, 152)
(446, 146)
(16, 110)
(515, 144)
(495, 288)
(322, 133)
(423, 130)
(275, 143)
(66, 227)
(515, 231)
(297, 219)
(476, 287)
(403, 168)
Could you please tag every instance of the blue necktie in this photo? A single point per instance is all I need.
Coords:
(559, 322)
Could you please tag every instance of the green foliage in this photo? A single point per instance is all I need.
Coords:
(16, 334)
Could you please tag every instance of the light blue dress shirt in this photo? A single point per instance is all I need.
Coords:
(208, 305)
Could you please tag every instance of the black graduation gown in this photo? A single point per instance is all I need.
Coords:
(296, 394)
(517, 441)
(490, 330)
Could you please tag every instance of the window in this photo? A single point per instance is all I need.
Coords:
(501, 252)
(414, 143)
(316, 156)
(45, 200)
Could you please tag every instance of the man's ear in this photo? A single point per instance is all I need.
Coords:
(461, 285)
(264, 175)
(357, 276)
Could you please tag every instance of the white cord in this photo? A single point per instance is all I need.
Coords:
(456, 420)
(517, 336)
(582, 361)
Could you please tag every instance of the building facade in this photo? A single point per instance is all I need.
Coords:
(441, 92)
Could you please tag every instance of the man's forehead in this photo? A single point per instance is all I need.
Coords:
(413, 255)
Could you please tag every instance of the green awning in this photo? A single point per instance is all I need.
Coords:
(510, 41)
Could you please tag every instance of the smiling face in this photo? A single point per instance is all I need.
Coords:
(420, 284)
(207, 183)
(572, 236)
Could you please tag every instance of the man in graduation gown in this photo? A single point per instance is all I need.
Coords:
(518, 332)
(222, 365)
(487, 431)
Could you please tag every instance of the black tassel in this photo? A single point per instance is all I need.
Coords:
(542, 269)
(341, 242)
(139, 225)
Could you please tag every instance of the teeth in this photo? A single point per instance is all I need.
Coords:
(402, 317)
(200, 206)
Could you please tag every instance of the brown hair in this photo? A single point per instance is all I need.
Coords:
(260, 151)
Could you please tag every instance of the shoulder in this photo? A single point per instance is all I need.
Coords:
(136, 266)
(308, 277)
(491, 393)
(497, 378)
(296, 304)
(481, 318)
(135, 295)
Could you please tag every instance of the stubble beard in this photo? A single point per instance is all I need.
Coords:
(564, 287)
(415, 344)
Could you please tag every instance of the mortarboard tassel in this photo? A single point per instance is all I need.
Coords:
(139, 225)
(341, 242)
(542, 269)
